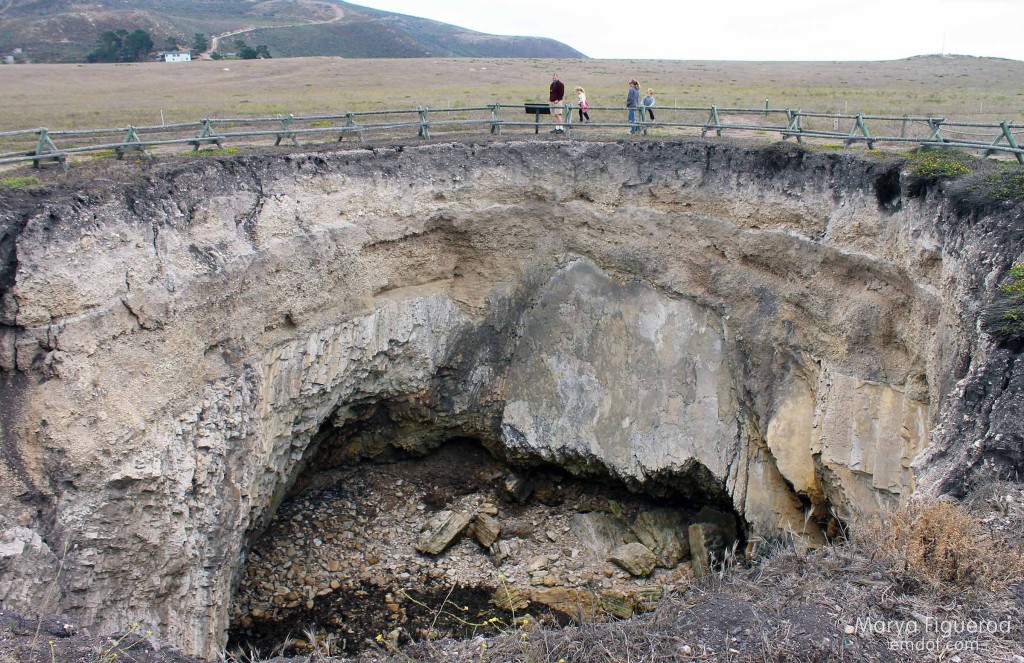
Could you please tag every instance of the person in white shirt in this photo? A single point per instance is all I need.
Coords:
(584, 106)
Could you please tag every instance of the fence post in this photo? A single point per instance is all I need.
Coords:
(350, 123)
(495, 126)
(45, 146)
(712, 123)
(903, 128)
(795, 127)
(935, 124)
(862, 127)
(207, 135)
(131, 142)
(1008, 135)
(568, 119)
(285, 132)
(424, 125)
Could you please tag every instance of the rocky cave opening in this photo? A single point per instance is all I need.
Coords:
(379, 549)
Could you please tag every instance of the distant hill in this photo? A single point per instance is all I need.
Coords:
(67, 30)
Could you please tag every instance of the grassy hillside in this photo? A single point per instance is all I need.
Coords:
(395, 36)
(67, 30)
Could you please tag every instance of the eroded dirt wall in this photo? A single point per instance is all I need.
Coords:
(794, 322)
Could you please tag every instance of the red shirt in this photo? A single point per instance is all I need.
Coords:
(557, 91)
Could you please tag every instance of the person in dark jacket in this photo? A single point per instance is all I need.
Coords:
(633, 105)
(556, 96)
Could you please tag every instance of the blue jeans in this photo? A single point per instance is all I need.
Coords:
(632, 120)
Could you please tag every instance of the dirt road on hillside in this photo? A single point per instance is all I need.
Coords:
(215, 40)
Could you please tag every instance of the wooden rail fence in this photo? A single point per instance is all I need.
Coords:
(40, 145)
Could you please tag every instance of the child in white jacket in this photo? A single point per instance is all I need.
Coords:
(584, 106)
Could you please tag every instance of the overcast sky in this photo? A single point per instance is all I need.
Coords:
(744, 29)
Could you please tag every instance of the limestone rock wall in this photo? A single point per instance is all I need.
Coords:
(771, 325)
(622, 375)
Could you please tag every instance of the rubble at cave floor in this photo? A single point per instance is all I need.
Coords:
(340, 559)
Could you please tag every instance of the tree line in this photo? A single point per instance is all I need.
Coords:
(123, 46)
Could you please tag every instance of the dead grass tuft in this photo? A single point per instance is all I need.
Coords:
(939, 541)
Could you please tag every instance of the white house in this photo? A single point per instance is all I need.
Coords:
(177, 56)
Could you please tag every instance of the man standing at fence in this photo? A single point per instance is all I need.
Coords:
(556, 97)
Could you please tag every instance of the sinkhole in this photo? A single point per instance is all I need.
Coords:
(678, 329)
(461, 542)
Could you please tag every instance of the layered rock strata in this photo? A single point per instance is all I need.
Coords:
(769, 330)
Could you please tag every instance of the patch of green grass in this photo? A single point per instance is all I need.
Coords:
(1014, 289)
(1005, 318)
(212, 152)
(19, 182)
(939, 163)
(1007, 185)
(879, 155)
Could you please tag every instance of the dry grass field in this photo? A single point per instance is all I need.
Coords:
(78, 96)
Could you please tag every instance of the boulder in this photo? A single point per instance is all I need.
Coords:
(517, 487)
(518, 528)
(538, 563)
(547, 491)
(499, 552)
(726, 523)
(635, 558)
(664, 532)
(705, 540)
(617, 604)
(442, 531)
(509, 599)
(714, 532)
(580, 604)
(598, 532)
(647, 599)
(28, 572)
(486, 529)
